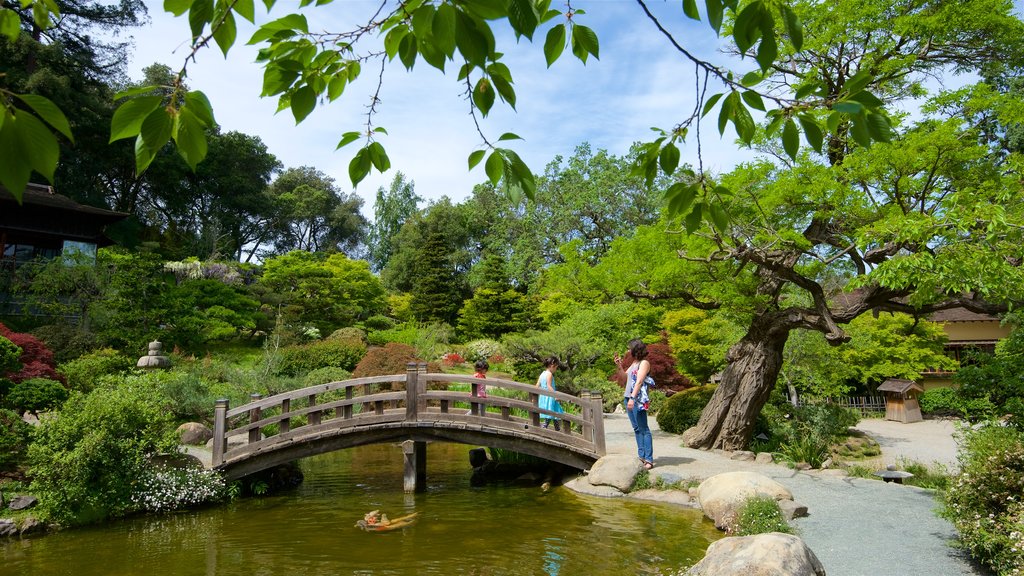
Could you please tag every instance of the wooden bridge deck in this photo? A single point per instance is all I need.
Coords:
(414, 406)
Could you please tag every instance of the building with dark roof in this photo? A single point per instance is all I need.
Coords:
(967, 331)
(46, 225)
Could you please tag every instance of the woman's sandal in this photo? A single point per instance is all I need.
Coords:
(648, 465)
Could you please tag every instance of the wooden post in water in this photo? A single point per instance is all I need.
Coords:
(254, 416)
(220, 421)
(415, 478)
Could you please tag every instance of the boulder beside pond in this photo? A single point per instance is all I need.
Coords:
(772, 554)
(615, 470)
(194, 433)
(722, 495)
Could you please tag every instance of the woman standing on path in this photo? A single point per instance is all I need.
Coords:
(637, 401)
(547, 402)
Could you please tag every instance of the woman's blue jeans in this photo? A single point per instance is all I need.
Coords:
(644, 441)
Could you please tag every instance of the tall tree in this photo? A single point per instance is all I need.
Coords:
(391, 209)
(312, 214)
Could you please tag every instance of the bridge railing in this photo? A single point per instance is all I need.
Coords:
(415, 399)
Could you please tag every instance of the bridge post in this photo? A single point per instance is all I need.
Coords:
(254, 416)
(415, 478)
(597, 407)
(412, 392)
(220, 421)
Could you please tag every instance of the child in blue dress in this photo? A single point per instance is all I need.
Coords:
(546, 402)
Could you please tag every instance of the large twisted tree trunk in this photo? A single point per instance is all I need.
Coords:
(753, 366)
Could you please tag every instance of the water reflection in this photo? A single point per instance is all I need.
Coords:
(492, 530)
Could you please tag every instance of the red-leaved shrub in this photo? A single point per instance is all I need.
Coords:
(663, 370)
(392, 358)
(36, 359)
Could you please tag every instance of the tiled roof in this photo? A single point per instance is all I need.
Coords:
(40, 195)
(961, 315)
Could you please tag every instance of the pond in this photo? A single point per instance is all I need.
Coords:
(460, 529)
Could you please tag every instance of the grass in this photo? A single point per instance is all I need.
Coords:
(934, 477)
(760, 515)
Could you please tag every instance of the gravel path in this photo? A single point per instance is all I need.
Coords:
(856, 527)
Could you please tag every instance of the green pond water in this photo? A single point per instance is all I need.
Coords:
(508, 529)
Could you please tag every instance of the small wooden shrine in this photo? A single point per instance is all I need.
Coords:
(901, 402)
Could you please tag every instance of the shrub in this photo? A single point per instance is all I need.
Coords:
(85, 461)
(663, 369)
(379, 322)
(483, 349)
(82, 373)
(760, 515)
(14, 439)
(452, 359)
(403, 334)
(943, 401)
(392, 358)
(682, 410)
(985, 500)
(349, 333)
(66, 341)
(36, 359)
(161, 489)
(36, 395)
(806, 433)
(325, 375)
(298, 360)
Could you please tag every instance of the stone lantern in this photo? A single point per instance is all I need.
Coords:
(155, 357)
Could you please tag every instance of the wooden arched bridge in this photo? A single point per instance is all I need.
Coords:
(415, 408)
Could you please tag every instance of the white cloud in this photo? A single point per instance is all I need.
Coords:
(640, 81)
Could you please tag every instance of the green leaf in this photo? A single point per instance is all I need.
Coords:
(554, 44)
(359, 167)
(432, 55)
(669, 158)
(49, 112)
(719, 217)
(768, 50)
(494, 167)
(505, 90)
(690, 9)
(832, 122)
(277, 79)
(379, 157)
(128, 117)
(483, 95)
(692, 220)
(444, 29)
(790, 138)
(199, 104)
(407, 51)
(715, 13)
(348, 138)
(336, 86)
(866, 98)
(879, 128)
(805, 90)
(225, 33)
(475, 157)
(135, 91)
(680, 198)
(393, 40)
(587, 40)
(794, 29)
(744, 122)
(753, 99)
(859, 130)
(509, 136)
(471, 40)
(710, 103)
(190, 138)
(303, 101)
(15, 169)
(848, 107)
(10, 25)
(519, 175)
(746, 29)
(812, 132)
(40, 145)
(726, 112)
(857, 82)
(752, 78)
(423, 22)
(199, 15)
(522, 15)
(246, 9)
(156, 130)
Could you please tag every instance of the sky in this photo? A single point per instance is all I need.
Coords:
(611, 102)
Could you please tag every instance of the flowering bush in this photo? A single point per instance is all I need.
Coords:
(452, 359)
(986, 501)
(483, 349)
(165, 489)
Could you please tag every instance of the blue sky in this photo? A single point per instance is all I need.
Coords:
(638, 82)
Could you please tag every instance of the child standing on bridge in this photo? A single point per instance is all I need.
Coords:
(480, 390)
(548, 402)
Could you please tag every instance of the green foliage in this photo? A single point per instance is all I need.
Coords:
(642, 481)
(611, 393)
(325, 375)
(301, 359)
(806, 434)
(942, 401)
(86, 460)
(494, 312)
(349, 333)
(83, 373)
(10, 356)
(699, 341)
(984, 500)
(36, 395)
(205, 310)
(67, 342)
(391, 209)
(760, 515)
(403, 334)
(15, 435)
(934, 477)
(682, 410)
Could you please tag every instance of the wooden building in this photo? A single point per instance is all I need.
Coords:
(901, 402)
(47, 225)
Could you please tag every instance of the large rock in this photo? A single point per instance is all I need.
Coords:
(23, 502)
(8, 527)
(772, 554)
(616, 470)
(236, 441)
(722, 495)
(194, 433)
